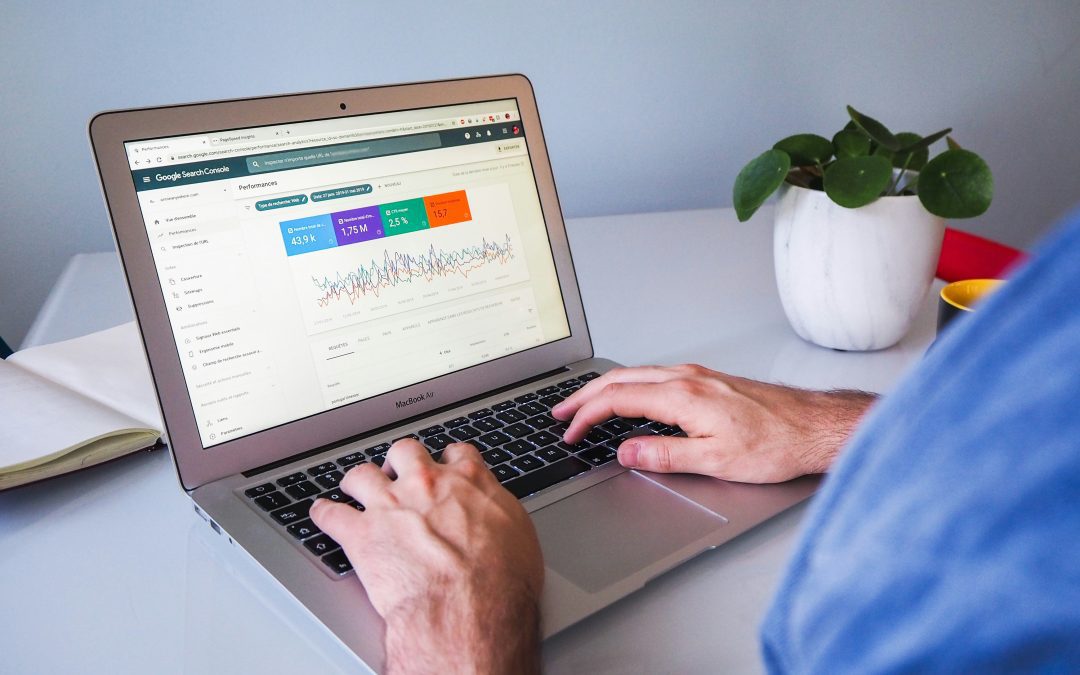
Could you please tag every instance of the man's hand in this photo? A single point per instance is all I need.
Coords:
(448, 558)
(737, 429)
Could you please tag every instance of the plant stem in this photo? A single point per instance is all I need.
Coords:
(892, 188)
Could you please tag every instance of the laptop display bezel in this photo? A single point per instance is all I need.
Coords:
(197, 466)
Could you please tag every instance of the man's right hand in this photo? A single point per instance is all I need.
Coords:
(737, 429)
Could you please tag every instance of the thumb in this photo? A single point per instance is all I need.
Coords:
(665, 454)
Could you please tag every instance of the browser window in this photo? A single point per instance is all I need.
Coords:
(312, 265)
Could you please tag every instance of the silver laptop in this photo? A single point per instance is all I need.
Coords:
(317, 275)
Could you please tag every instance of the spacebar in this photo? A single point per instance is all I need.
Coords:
(546, 477)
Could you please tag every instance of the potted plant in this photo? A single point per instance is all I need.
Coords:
(859, 224)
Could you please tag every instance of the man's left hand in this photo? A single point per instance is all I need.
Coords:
(448, 557)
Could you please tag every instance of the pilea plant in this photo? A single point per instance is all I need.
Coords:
(865, 161)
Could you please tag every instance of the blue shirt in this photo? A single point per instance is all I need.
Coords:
(947, 537)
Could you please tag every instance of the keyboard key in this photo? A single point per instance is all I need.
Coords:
(519, 447)
(378, 460)
(321, 544)
(325, 467)
(437, 455)
(551, 401)
(511, 416)
(488, 424)
(351, 459)
(302, 490)
(377, 450)
(464, 433)
(258, 490)
(401, 438)
(478, 445)
(518, 430)
(616, 426)
(337, 561)
(532, 409)
(431, 431)
(568, 390)
(291, 479)
(303, 529)
(563, 445)
(588, 376)
(546, 477)
(481, 413)
(548, 391)
(542, 438)
(558, 429)
(526, 463)
(541, 421)
(572, 382)
(525, 398)
(292, 513)
(493, 457)
(550, 453)
(505, 405)
(495, 438)
(438, 441)
(330, 480)
(336, 495)
(271, 501)
(456, 422)
(597, 435)
(504, 472)
(598, 455)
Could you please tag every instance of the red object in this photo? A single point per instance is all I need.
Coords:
(968, 256)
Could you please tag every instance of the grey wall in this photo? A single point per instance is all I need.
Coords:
(680, 94)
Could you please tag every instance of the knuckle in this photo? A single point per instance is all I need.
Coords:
(663, 457)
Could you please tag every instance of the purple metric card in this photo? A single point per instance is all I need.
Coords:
(356, 225)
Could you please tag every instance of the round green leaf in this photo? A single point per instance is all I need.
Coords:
(758, 180)
(917, 156)
(956, 184)
(874, 129)
(851, 143)
(806, 149)
(857, 181)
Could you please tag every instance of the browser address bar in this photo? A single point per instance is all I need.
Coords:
(316, 139)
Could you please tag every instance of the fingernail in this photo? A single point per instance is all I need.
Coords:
(628, 453)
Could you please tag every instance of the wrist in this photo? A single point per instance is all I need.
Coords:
(836, 415)
(461, 632)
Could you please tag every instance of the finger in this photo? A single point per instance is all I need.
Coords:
(461, 452)
(656, 401)
(404, 456)
(367, 484)
(666, 454)
(343, 523)
(568, 408)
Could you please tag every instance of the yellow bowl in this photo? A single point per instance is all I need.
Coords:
(961, 296)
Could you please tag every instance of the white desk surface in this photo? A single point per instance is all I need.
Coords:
(108, 570)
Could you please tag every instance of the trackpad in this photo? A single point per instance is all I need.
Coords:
(616, 528)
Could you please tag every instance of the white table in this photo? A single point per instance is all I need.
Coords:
(108, 570)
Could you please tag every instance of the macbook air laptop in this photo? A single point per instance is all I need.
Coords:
(317, 275)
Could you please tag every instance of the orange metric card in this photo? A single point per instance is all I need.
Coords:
(447, 208)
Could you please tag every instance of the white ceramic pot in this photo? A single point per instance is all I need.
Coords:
(853, 279)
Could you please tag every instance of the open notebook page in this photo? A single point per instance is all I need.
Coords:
(42, 421)
(108, 366)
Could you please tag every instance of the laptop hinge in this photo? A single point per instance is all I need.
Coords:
(401, 423)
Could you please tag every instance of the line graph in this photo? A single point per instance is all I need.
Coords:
(394, 276)
(397, 268)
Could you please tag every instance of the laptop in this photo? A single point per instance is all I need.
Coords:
(317, 275)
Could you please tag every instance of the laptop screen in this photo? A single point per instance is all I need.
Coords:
(312, 265)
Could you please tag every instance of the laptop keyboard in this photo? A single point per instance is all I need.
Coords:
(518, 438)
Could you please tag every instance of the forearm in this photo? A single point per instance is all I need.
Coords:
(833, 419)
(483, 635)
